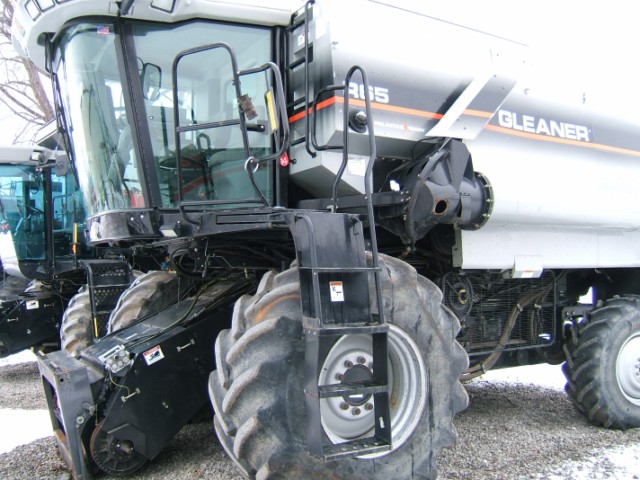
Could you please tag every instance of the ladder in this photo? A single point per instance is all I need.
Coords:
(336, 301)
(335, 276)
(299, 56)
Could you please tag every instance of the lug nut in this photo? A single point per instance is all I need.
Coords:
(356, 411)
(362, 360)
(348, 364)
(344, 406)
(339, 377)
(368, 407)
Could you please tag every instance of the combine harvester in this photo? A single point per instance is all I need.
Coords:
(39, 216)
(355, 240)
(56, 290)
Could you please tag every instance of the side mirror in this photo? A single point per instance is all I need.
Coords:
(62, 165)
(151, 81)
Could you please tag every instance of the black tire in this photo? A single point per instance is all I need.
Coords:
(76, 329)
(149, 293)
(603, 364)
(258, 397)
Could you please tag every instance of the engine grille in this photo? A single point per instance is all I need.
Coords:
(488, 304)
(107, 280)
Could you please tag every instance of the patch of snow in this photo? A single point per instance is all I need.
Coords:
(20, 427)
(24, 356)
(543, 375)
(619, 463)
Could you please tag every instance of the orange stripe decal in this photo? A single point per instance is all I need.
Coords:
(566, 141)
(478, 113)
(392, 108)
(324, 104)
(360, 103)
(475, 113)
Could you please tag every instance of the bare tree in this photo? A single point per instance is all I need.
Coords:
(22, 88)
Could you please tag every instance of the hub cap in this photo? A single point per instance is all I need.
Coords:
(351, 417)
(628, 369)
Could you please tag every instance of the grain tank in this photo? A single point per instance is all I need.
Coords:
(549, 153)
(360, 204)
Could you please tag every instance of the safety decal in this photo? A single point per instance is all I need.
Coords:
(153, 355)
(337, 293)
(32, 304)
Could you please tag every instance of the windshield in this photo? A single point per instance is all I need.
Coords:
(92, 96)
(94, 99)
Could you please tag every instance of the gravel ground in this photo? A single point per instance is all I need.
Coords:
(511, 431)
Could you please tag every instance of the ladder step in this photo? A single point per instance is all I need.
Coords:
(299, 102)
(296, 63)
(363, 446)
(368, 387)
(340, 269)
(343, 329)
(298, 20)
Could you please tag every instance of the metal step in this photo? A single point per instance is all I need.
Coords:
(319, 341)
(346, 329)
(364, 446)
(369, 387)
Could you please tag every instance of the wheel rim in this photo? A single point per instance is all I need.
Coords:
(350, 359)
(628, 369)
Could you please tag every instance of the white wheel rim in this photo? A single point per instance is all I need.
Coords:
(628, 369)
(407, 382)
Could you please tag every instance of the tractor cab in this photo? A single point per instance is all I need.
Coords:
(28, 190)
(167, 116)
(41, 214)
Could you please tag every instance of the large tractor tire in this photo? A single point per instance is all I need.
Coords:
(258, 396)
(149, 293)
(603, 364)
(76, 329)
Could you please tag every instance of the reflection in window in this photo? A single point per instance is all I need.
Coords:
(212, 158)
(91, 92)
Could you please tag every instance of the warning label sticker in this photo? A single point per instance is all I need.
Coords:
(337, 293)
(153, 355)
(32, 304)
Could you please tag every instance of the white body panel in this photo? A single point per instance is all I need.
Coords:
(498, 247)
(574, 211)
(25, 36)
